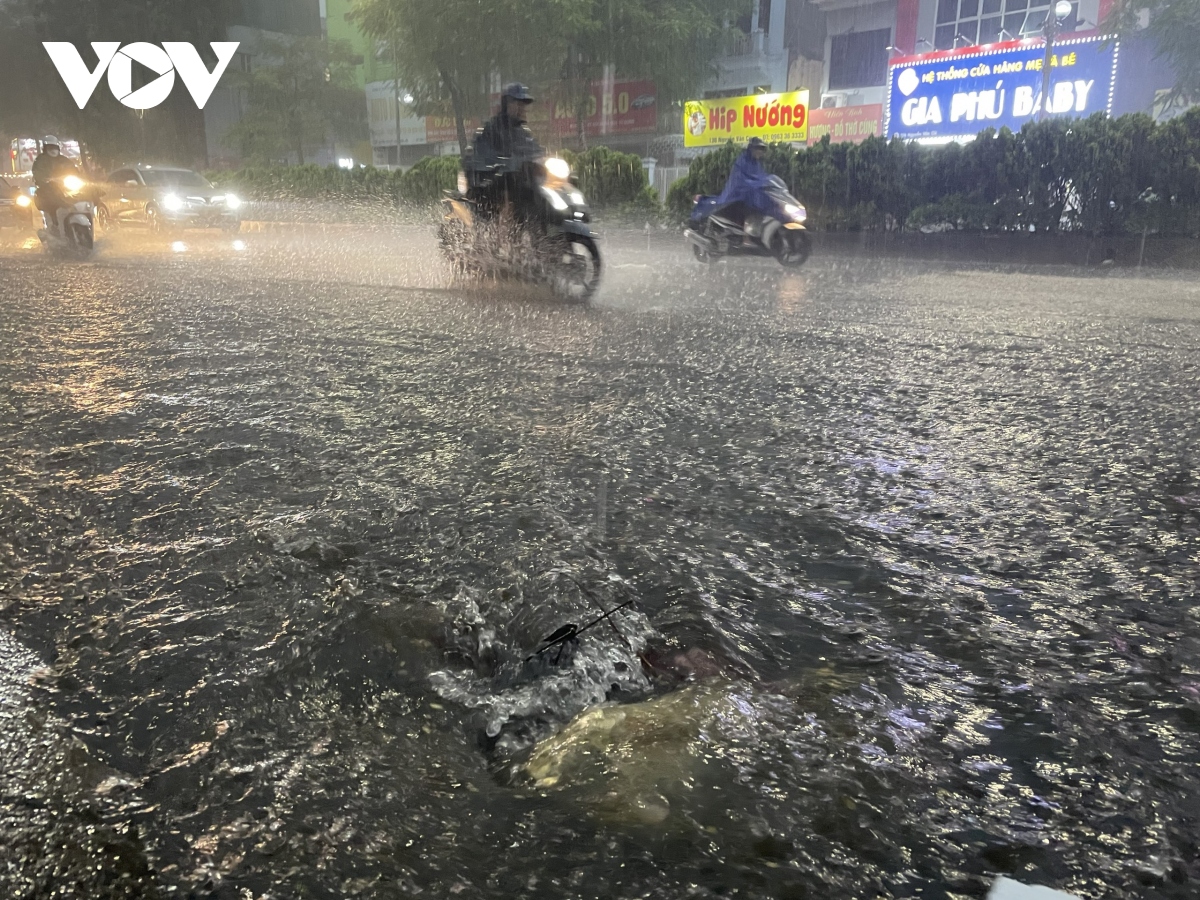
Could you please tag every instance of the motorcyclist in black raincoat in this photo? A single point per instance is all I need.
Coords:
(500, 167)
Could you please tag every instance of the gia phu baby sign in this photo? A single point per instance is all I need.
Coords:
(957, 95)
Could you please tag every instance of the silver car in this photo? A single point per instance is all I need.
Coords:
(16, 201)
(166, 198)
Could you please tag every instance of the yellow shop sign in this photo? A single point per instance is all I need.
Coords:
(775, 118)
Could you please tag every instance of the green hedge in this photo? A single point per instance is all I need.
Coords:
(1096, 176)
(423, 183)
(610, 180)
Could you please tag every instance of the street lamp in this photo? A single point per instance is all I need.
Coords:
(1061, 10)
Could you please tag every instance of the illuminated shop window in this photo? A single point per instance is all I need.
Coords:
(963, 23)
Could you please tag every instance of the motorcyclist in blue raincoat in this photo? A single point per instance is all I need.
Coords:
(746, 184)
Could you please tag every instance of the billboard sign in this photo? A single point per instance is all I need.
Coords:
(776, 118)
(411, 131)
(953, 95)
(620, 107)
(846, 123)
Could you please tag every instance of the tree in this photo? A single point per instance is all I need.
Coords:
(299, 90)
(447, 53)
(1174, 26)
(673, 42)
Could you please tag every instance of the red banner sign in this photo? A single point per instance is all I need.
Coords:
(628, 107)
(846, 123)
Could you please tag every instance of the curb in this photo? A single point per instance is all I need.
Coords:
(257, 226)
(316, 227)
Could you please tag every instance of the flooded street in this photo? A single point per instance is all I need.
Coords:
(910, 554)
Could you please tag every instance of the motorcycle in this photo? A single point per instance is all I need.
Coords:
(727, 231)
(548, 240)
(76, 229)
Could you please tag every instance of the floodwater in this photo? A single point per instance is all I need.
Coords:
(910, 553)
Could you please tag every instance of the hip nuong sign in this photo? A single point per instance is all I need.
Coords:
(776, 118)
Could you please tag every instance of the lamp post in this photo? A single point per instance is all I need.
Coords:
(1061, 10)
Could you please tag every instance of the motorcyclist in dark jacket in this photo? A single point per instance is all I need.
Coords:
(500, 167)
(48, 171)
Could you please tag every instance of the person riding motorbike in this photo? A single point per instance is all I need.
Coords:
(745, 186)
(49, 169)
(500, 167)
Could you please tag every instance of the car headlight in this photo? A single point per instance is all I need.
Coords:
(555, 199)
(172, 203)
(22, 200)
(73, 184)
(233, 201)
(558, 168)
(797, 213)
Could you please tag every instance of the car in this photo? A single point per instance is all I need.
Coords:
(645, 101)
(16, 201)
(165, 198)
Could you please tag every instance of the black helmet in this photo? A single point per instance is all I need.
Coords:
(518, 92)
(756, 144)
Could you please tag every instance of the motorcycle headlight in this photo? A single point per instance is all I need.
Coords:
(23, 200)
(172, 203)
(797, 213)
(555, 199)
(558, 168)
(576, 198)
(73, 184)
(233, 201)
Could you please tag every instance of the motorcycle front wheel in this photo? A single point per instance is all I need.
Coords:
(458, 250)
(575, 272)
(81, 239)
(794, 248)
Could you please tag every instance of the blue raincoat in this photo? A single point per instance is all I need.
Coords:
(746, 185)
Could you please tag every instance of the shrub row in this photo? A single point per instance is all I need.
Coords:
(423, 183)
(610, 180)
(1095, 176)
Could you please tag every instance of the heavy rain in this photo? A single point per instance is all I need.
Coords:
(338, 562)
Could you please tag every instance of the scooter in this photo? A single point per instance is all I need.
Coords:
(76, 229)
(729, 231)
(553, 243)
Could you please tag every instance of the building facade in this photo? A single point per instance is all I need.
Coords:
(864, 35)
(254, 21)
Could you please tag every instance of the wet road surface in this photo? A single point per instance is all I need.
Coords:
(913, 554)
